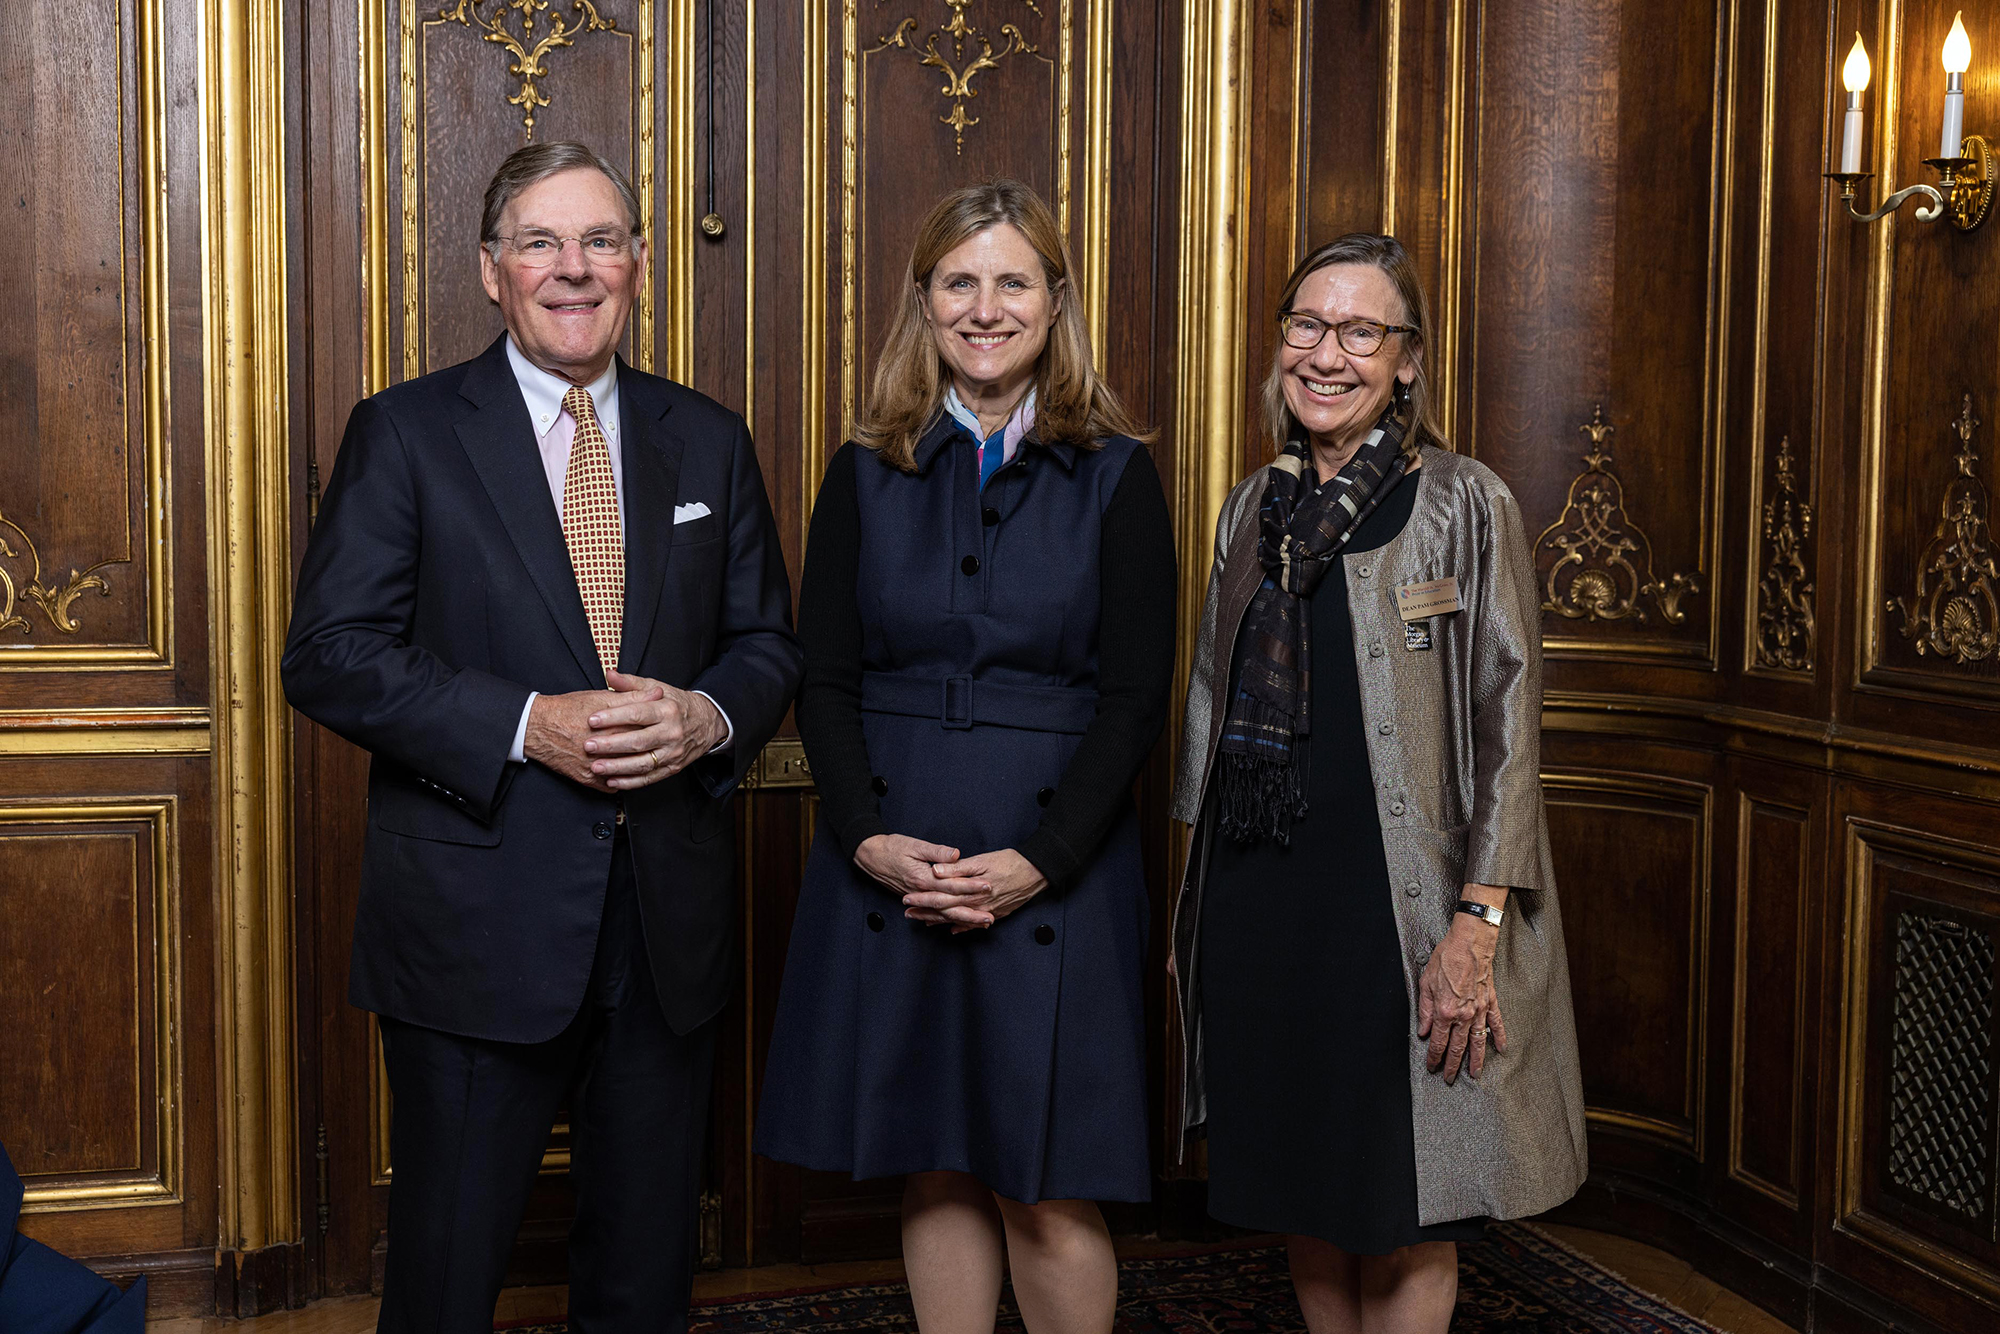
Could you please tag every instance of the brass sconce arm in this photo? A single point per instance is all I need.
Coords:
(1849, 179)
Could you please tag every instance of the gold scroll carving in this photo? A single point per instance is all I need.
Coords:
(958, 71)
(1786, 632)
(55, 601)
(539, 34)
(1604, 569)
(1954, 613)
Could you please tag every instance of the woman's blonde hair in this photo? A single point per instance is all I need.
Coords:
(1387, 254)
(1072, 405)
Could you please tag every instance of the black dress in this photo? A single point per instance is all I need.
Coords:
(1306, 1026)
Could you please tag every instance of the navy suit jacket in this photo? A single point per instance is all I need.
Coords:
(435, 594)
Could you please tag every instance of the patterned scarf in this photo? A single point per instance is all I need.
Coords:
(1302, 529)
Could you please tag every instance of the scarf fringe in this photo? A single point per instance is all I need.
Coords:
(1259, 798)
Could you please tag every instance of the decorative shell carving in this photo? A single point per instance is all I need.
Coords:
(1954, 612)
(1603, 569)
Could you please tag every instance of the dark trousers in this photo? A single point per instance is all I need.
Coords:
(472, 1118)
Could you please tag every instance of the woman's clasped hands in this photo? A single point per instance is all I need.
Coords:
(942, 888)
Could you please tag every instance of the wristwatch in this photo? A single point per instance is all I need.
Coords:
(1485, 912)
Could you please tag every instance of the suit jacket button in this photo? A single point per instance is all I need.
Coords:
(879, 785)
(1395, 808)
(1045, 934)
(1414, 890)
(989, 516)
(970, 565)
(1045, 796)
(602, 829)
(875, 922)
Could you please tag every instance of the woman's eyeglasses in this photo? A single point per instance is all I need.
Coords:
(1361, 338)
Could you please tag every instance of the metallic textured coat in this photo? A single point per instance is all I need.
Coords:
(1454, 743)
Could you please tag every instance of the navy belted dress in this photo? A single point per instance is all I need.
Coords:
(986, 668)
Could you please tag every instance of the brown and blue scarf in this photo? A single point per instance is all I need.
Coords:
(1302, 528)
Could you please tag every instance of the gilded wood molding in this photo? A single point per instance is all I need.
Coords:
(528, 46)
(1953, 612)
(1603, 569)
(246, 394)
(1786, 631)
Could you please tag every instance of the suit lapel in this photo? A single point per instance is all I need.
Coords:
(500, 440)
(651, 464)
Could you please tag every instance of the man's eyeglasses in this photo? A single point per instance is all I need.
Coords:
(1361, 338)
(533, 248)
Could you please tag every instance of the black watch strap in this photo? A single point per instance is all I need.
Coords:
(1484, 912)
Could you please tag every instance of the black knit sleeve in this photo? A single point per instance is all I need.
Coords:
(1135, 664)
(829, 707)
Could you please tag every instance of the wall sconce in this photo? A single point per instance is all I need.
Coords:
(1964, 163)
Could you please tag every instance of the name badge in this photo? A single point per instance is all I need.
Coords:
(1416, 601)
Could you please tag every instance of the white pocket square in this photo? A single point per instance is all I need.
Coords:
(688, 513)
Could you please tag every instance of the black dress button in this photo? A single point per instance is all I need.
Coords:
(989, 516)
(879, 785)
(1045, 934)
(970, 565)
(1045, 796)
(875, 921)
(602, 829)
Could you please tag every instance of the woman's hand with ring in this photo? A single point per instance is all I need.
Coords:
(998, 882)
(1457, 1005)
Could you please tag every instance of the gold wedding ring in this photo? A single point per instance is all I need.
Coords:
(653, 757)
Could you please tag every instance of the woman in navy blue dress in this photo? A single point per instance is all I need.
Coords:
(987, 613)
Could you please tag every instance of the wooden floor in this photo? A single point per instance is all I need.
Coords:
(1649, 1270)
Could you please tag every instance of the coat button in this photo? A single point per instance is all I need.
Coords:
(970, 565)
(1395, 808)
(602, 829)
(1387, 729)
(875, 921)
(1375, 649)
(1414, 890)
(989, 516)
(1045, 934)
(1045, 796)
(879, 785)
(1366, 570)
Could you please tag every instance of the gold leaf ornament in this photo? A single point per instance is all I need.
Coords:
(537, 32)
(1954, 612)
(958, 71)
(1603, 569)
(1786, 630)
(55, 602)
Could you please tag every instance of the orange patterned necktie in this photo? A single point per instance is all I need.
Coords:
(591, 528)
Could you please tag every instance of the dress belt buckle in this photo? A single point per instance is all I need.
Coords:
(957, 691)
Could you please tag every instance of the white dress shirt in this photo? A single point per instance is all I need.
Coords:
(555, 432)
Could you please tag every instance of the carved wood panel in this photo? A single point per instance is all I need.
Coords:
(1596, 281)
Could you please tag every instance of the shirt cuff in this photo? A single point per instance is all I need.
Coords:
(519, 754)
(728, 728)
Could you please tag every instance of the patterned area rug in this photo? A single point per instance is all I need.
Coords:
(1517, 1281)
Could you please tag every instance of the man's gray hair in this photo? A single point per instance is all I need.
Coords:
(537, 162)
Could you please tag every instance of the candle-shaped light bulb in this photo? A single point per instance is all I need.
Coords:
(1855, 75)
(1957, 47)
(1856, 72)
(1957, 59)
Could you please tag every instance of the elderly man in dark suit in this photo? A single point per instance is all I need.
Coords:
(545, 592)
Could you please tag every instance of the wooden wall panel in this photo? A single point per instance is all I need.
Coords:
(1632, 852)
(1596, 284)
(83, 575)
(1774, 852)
